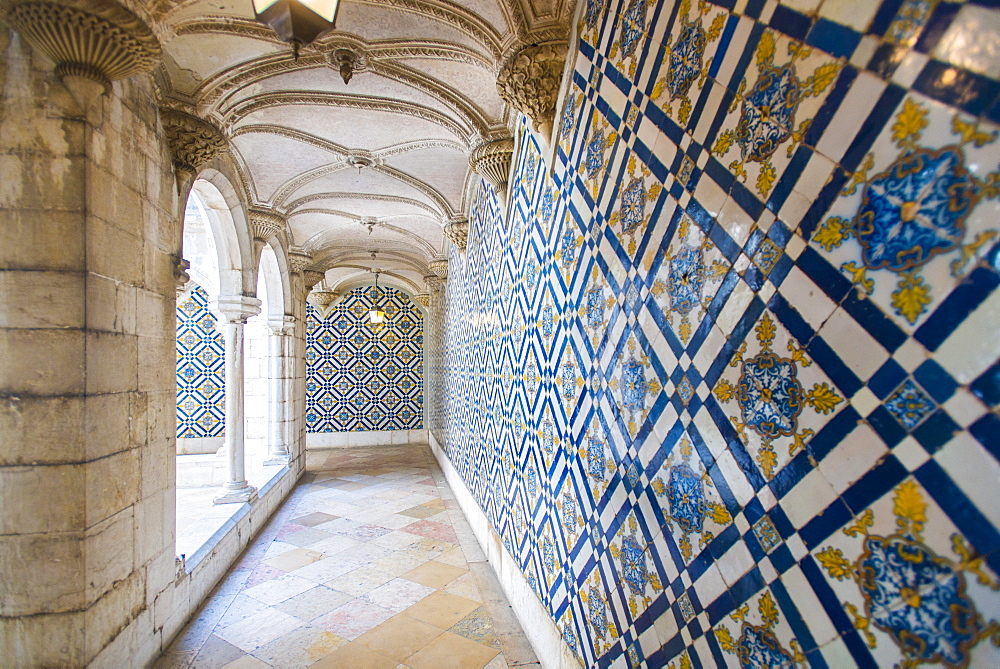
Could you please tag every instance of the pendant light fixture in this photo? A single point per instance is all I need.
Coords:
(297, 21)
(376, 316)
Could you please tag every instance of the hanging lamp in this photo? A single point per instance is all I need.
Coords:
(375, 315)
(297, 21)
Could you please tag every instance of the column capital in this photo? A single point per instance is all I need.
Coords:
(491, 161)
(440, 268)
(457, 230)
(265, 224)
(237, 308)
(192, 141)
(95, 40)
(311, 278)
(529, 82)
(281, 325)
(298, 259)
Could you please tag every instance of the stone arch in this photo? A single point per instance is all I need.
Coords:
(227, 218)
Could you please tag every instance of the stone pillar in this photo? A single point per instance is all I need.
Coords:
(235, 312)
(280, 343)
(87, 341)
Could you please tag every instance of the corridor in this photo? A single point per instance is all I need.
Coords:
(368, 564)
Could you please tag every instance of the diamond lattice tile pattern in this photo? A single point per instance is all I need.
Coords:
(360, 378)
(201, 369)
(724, 375)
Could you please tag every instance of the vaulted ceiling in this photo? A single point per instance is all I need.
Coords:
(422, 96)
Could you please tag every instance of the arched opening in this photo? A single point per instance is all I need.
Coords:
(259, 366)
(212, 249)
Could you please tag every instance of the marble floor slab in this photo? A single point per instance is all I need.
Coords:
(369, 563)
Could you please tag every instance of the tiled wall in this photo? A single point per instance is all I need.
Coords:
(201, 369)
(359, 378)
(726, 382)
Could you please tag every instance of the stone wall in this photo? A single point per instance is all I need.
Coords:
(718, 376)
(87, 388)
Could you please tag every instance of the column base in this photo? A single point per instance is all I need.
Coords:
(281, 460)
(238, 496)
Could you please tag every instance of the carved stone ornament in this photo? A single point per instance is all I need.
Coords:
(491, 161)
(457, 231)
(440, 268)
(193, 141)
(424, 299)
(310, 279)
(345, 59)
(529, 81)
(322, 299)
(265, 224)
(298, 259)
(181, 276)
(97, 40)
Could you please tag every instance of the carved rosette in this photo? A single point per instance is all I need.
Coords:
(193, 141)
(265, 224)
(97, 40)
(440, 268)
(529, 81)
(310, 278)
(491, 161)
(457, 231)
(298, 259)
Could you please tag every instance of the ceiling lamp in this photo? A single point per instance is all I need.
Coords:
(297, 21)
(375, 315)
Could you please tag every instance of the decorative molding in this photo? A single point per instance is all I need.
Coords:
(214, 91)
(97, 40)
(440, 268)
(400, 49)
(423, 298)
(465, 108)
(265, 224)
(293, 207)
(491, 160)
(457, 231)
(529, 81)
(421, 186)
(226, 82)
(298, 259)
(193, 141)
(363, 102)
(466, 21)
(229, 25)
(311, 278)
(290, 133)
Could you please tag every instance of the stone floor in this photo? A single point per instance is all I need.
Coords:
(368, 564)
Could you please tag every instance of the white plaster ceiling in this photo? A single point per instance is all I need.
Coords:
(422, 96)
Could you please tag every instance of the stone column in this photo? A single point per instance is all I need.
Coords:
(235, 311)
(295, 424)
(282, 330)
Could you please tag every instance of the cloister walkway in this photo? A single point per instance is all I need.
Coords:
(369, 563)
